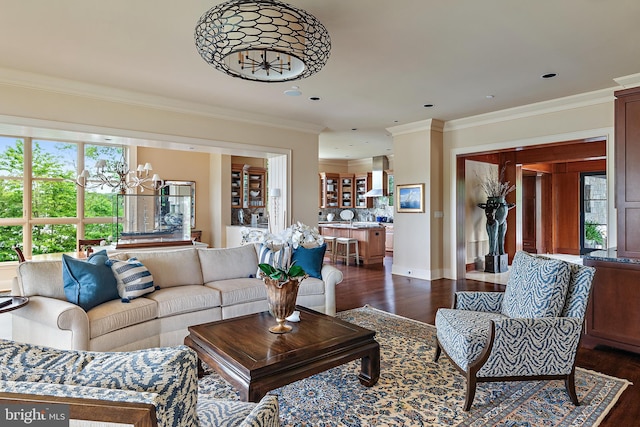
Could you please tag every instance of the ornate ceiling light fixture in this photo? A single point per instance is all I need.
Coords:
(262, 40)
(121, 178)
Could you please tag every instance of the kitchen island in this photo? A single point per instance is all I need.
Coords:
(370, 235)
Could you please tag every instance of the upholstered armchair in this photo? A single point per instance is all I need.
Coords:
(529, 332)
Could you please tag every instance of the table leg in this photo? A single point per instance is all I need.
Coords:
(370, 367)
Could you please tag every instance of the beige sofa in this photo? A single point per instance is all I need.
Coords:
(196, 286)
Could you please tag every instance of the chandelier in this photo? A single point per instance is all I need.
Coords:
(121, 178)
(262, 40)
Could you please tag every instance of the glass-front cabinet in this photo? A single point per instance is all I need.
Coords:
(152, 220)
(329, 189)
(363, 184)
(236, 186)
(248, 186)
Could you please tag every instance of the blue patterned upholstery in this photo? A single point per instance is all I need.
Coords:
(164, 377)
(169, 372)
(536, 288)
(531, 331)
(225, 413)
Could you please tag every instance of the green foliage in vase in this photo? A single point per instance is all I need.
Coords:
(280, 274)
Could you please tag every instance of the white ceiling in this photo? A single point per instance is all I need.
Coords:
(388, 58)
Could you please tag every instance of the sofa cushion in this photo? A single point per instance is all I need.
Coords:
(310, 259)
(172, 268)
(536, 287)
(464, 333)
(228, 263)
(114, 315)
(134, 279)
(88, 283)
(237, 291)
(184, 299)
(42, 278)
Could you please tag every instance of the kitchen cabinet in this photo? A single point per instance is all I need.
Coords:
(329, 190)
(346, 193)
(248, 186)
(362, 185)
(371, 240)
(627, 173)
(236, 186)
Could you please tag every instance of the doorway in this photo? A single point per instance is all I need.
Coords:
(593, 211)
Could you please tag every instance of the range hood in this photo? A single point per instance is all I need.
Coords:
(378, 177)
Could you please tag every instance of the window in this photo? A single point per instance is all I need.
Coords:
(41, 208)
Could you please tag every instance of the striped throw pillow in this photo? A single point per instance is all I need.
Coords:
(134, 279)
(280, 258)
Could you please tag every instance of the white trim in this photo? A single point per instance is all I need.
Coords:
(104, 93)
(545, 107)
(37, 128)
(629, 81)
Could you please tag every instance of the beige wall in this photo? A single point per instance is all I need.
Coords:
(157, 127)
(418, 236)
(184, 166)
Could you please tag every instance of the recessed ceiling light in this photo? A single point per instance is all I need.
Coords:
(428, 105)
(489, 96)
(294, 91)
(107, 138)
(314, 98)
(354, 128)
(548, 75)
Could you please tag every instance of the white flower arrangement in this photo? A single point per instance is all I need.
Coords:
(298, 234)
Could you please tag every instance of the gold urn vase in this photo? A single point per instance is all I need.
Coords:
(281, 297)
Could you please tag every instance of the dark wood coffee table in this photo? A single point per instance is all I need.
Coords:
(252, 359)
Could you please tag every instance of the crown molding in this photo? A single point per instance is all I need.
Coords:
(554, 105)
(422, 125)
(43, 82)
(629, 81)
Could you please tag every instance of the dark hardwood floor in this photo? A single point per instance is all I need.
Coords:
(420, 299)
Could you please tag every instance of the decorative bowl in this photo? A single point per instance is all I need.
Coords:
(254, 193)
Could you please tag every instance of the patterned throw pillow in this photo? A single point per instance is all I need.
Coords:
(536, 287)
(134, 279)
(279, 258)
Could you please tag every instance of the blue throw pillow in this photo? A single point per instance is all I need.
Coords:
(310, 259)
(88, 283)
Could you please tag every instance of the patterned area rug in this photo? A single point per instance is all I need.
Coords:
(414, 391)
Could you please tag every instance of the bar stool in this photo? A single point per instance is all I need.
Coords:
(345, 243)
(331, 243)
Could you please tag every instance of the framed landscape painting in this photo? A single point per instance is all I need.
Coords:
(410, 198)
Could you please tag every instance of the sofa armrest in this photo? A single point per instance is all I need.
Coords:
(331, 276)
(86, 403)
(554, 339)
(265, 414)
(55, 314)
